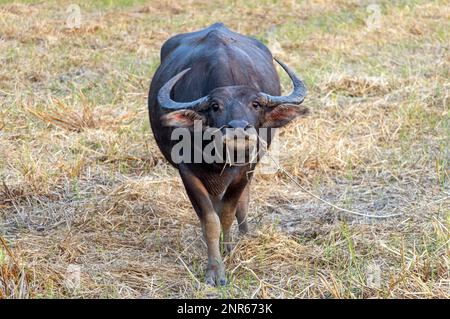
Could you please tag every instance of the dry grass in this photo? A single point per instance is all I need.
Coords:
(72, 119)
(84, 184)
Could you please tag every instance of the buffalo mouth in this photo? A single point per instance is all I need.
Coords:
(240, 145)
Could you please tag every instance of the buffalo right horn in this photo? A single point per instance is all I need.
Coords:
(166, 102)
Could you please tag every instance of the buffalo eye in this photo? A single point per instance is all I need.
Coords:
(215, 106)
(256, 104)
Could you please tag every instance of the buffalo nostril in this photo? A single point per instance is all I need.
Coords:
(238, 124)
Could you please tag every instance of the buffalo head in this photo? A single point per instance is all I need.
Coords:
(236, 110)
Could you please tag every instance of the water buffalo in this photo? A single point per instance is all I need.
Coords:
(223, 80)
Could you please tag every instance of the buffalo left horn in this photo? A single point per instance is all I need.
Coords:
(298, 93)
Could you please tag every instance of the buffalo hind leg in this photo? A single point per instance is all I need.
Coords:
(242, 210)
(215, 271)
(226, 220)
(232, 204)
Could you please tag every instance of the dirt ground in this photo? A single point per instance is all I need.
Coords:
(90, 209)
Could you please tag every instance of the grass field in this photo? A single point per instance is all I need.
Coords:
(84, 187)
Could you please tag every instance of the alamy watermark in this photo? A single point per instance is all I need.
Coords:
(374, 275)
(228, 146)
(73, 20)
(72, 278)
(373, 20)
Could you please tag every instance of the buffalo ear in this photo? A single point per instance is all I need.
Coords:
(281, 115)
(181, 118)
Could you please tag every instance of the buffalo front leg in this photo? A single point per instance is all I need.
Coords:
(215, 271)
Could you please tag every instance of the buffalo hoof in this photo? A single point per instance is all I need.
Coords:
(215, 275)
(243, 228)
(228, 248)
(227, 243)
